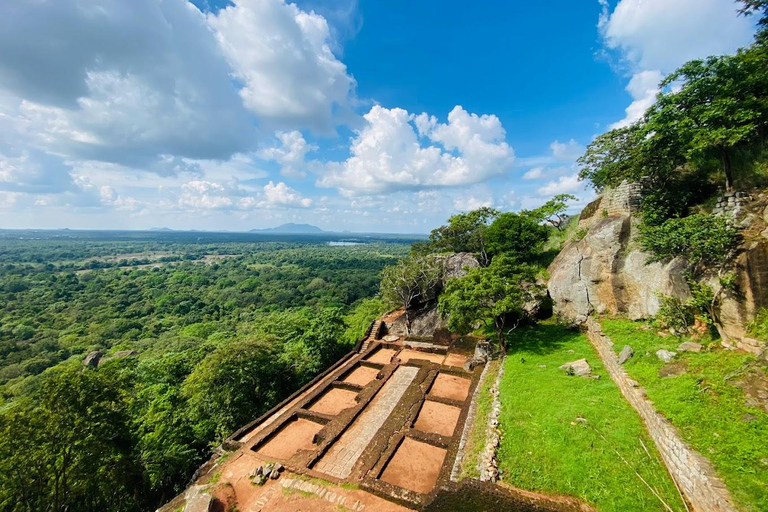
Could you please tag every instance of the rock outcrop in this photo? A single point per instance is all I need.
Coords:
(425, 318)
(738, 306)
(93, 358)
(605, 274)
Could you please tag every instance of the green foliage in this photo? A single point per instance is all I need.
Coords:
(708, 126)
(707, 405)
(360, 317)
(717, 104)
(233, 385)
(758, 328)
(674, 314)
(71, 448)
(498, 292)
(612, 158)
(409, 283)
(703, 239)
(465, 232)
(219, 342)
(546, 448)
(553, 211)
(519, 236)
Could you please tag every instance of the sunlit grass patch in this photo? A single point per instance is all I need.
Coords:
(572, 435)
(707, 405)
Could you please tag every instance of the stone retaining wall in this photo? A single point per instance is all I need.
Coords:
(692, 472)
(623, 200)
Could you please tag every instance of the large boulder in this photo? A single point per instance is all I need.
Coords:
(93, 358)
(738, 306)
(426, 321)
(605, 273)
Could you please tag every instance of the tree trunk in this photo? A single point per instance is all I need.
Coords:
(498, 322)
(728, 170)
(407, 322)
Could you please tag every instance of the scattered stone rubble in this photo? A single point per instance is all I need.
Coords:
(579, 368)
(261, 474)
(626, 354)
(666, 355)
(690, 346)
(730, 204)
(489, 466)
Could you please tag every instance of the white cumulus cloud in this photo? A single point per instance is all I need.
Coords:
(282, 194)
(654, 37)
(563, 185)
(291, 153)
(566, 151)
(283, 57)
(388, 154)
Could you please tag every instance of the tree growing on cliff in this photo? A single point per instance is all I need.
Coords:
(612, 158)
(408, 283)
(516, 235)
(465, 232)
(495, 296)
(553, 211)
(713, 106)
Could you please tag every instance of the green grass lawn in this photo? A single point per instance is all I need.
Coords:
(544, 447)
(707, 406)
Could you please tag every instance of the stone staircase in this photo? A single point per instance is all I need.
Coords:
(375, 330)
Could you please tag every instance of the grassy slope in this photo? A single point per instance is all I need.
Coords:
(707, 407)
(545, 449)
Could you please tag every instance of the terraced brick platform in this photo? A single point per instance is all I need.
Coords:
(388, 419)
(346, 451)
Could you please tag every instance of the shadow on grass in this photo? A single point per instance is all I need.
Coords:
(540, 339)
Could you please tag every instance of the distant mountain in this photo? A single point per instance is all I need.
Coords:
(291, 228)
(160, 229)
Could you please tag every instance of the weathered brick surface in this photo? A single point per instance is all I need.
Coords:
(692, 472)
(342, 456)
(623, 200)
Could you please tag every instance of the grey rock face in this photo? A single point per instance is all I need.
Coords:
(625, 354)
(93, 358)
(665, 355)
(580, 368)
(605, 274)
(690, 346)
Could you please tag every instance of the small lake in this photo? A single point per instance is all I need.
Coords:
(344, 244)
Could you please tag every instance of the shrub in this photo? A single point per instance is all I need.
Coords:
(674, 314)
(703, 239)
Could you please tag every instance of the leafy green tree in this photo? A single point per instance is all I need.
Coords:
(233, 385)
(495, 296)
(408, 283)
(613, 157)
(516, 235)
(714, 106)
(553, 211)
(465, 232)
(73, 450)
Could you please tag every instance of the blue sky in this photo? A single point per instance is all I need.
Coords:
(367, 116)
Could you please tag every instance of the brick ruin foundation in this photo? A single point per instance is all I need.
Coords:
(384, 423)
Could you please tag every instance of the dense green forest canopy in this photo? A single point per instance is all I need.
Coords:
(200, 333)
